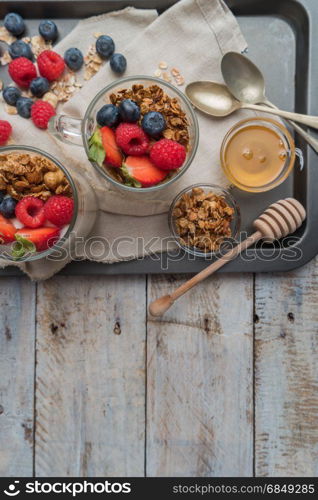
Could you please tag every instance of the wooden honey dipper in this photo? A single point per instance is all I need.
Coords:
(278, 220)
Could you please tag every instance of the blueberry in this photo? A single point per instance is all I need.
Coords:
(14, 23)
(74, 59)
(153, 123)
(20, 49)
(2, 195)
(7, 207)
(48, 30)
(108, 116)
(118, 63)
(11, 95)
(24, 105)
(129, 111)
(105, 46)
(39, 86)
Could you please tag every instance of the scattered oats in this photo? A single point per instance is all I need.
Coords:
(5, 59)
(92, 63)
(63, 88)
(38, 44)
(26, 39)
(26, 93)
(5, 36)
(11, 110)
(166, 77)
(157, 73)
(97, 35)
(11, 141)
(163, 65)
(51, 98)
(175, 72)
(179, 80)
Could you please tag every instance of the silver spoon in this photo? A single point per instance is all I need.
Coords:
(216, 100)
(246, 82)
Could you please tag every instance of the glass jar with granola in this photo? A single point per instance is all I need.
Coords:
(43, 207)
(140, 133)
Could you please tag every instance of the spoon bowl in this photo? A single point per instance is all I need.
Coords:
(212, 98)
(243, 78)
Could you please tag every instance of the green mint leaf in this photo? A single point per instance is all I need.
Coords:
(29, 245)
(96, 150)
(18, 251)
(21, 247)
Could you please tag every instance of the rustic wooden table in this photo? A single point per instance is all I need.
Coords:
(226, 384)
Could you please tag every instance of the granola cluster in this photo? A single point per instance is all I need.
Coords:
(23, 174)
(202, 220)
(153, 98)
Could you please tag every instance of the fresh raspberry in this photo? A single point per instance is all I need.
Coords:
(51, 65)
(168, 154)
(132, 139)
(30, 211)
(59, 210)
(5, 131)
(41, 112)
(22, 71)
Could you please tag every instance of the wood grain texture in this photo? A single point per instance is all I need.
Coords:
(90, 377)
(17, 339)
(200, 380)
(286, 385)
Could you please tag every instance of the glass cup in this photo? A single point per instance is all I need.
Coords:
(85, 210)
(78, 131)
(287, 143)
(235, 223)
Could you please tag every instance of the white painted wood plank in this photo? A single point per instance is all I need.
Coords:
(200, 380)
(90, 380)
(17, 338)
(286, 414)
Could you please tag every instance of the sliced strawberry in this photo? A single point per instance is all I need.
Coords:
(142, 171)
(113, 156)
(43, 237)
(7, 230)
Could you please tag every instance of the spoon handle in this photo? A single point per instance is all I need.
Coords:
(311, 121)
(160, 306)
(312, 141)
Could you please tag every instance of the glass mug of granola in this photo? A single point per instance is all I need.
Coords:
(149, 123)
(44, 208)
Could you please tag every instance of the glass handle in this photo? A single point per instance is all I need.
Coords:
(300, 156)
(67, 129)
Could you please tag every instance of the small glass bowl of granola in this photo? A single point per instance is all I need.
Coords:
(204, 220)
(131, 162)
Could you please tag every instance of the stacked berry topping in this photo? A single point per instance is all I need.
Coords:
(44, 73)
(133, 143)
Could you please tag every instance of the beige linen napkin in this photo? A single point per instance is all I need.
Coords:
(192, 35)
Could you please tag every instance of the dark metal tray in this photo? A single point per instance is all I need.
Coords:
(282, 44)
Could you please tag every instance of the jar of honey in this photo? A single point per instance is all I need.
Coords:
(258, 154)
